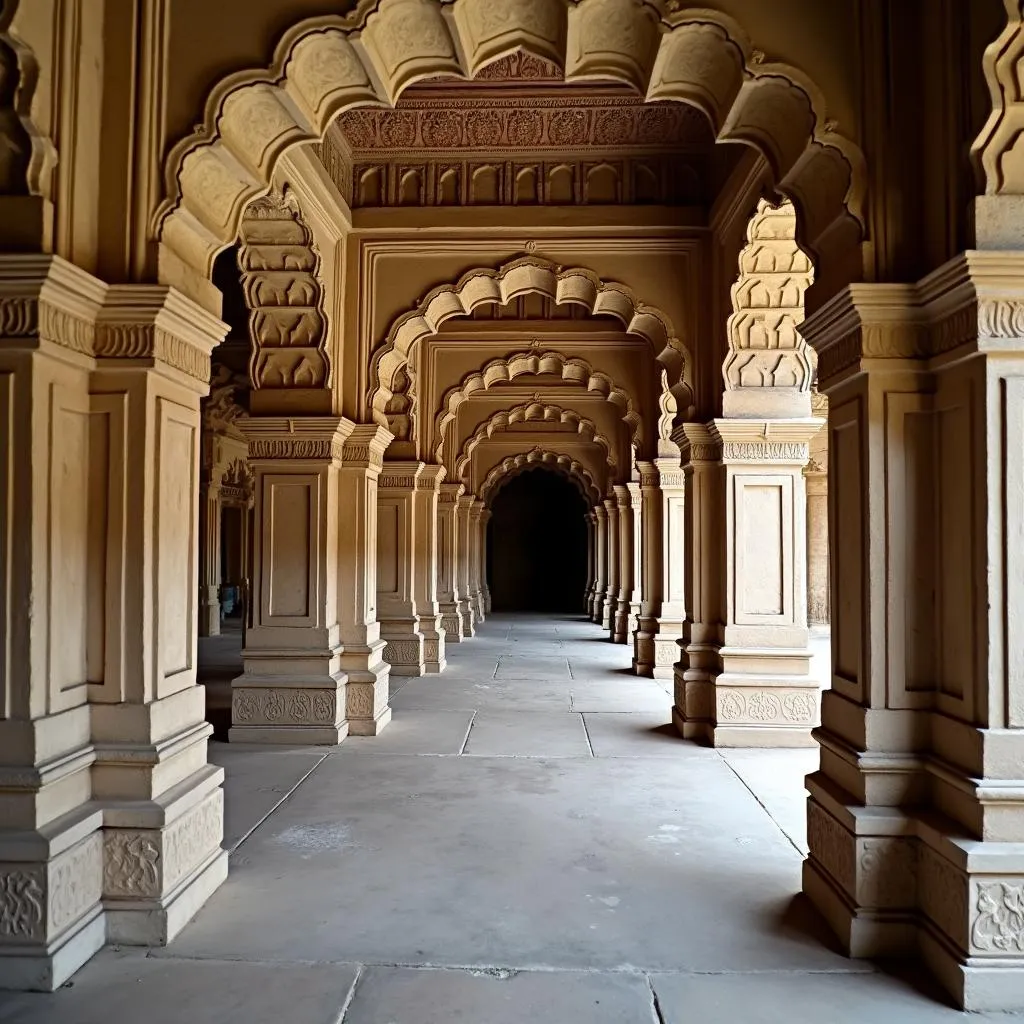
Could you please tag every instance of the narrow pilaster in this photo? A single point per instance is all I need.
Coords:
(362, 659)
(447, 564)
(485, 590)
(600, 562)
(463, 557)
(293, 686)
(651, 542)
(703, 574)
(672, 614)
(397, 585)
(588, 592)
(612, 567)
(163, 803)
(476, 559)
(425, 557)
(209, 586)
(627, 606)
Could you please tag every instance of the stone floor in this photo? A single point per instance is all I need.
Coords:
(528, 840)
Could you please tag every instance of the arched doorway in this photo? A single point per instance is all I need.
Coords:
(537, 545)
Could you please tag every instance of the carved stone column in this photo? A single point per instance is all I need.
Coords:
(915, 820)
(673, 567)
(209, 587)
(485, 590)
(58, 594)
(600, 514)
(612, 567)
(425, 557)
(362, 659)
(704, 575)
(627, 607)
(396, 568)
(651, 542)
(293, 686)
(447, 562)
(588, 593)
(476, 558)
(463, 556)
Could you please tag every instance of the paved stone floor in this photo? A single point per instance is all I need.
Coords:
(528, 841)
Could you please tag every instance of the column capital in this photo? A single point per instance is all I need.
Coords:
(431, 477)
(292, 438)
(399, 476)
(159, 327)
(779, 442)
(600, 512)
(696, 444)
(611, 504)
(365, 446)
(670, 473)
(464, 502)
(476, 508)
(650, 474)
(449, 493)
(45, 300)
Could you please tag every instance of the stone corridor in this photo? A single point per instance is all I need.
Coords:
(529, 840)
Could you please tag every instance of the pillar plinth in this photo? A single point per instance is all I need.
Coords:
(485, 590)
(463, 556)
(425, 557)
(627, 604)
(397, 567)
(448, 595)
(293, 686)
(612, 566)
(600, 514)
(209, 586)
(667, 622)
(362, 660)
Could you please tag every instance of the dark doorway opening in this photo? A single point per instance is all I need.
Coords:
(537, 545)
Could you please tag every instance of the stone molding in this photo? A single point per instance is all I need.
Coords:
(309, 438)
(784, 442)
(365, 446)
(259, 705)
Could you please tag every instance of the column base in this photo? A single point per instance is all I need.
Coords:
(366, 693)
(47, 970)
(644, 650)
(624, 623)
(608, 614)
(666, 654)
(434, 637)
(468, 617)
(289, 711)
(404, 648)
(209, 612)
(451, 623)
(479, 607)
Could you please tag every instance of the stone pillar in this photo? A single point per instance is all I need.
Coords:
(673, 564)
(54, 630)
(914, 820)
(485, 518)
(362, 660)
(627, 607)
(463, 555)
(425, 556)
(600, 514)
(209, 535)
(293, 686)
(816, 484)
(476, 553)
(396, 568)
(651, 543)
(447, 563)
(703, 574)
(588, 593)
(612, 567)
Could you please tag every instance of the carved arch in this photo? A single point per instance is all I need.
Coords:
(567, 466)
(523, 276)
(765, 347)
(280, 268)
(533, 412)
(328, 64)
(573, 369)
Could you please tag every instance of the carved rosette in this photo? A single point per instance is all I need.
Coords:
(765, 349)
(767, 706)
(253, 705)
(280, 276)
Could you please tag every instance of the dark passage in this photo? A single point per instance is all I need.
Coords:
(537, 545)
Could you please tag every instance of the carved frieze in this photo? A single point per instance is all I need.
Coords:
(261, 706)
(764, 451)
(190, 839)
(754, 706)
(21, 902)
(832, 846)
(131, 863)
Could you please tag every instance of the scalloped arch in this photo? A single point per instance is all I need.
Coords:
(569, 368)
(533, 412)
(567, 466)
(328, 64)
(526, 275)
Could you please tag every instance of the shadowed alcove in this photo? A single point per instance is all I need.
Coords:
(537, 545)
